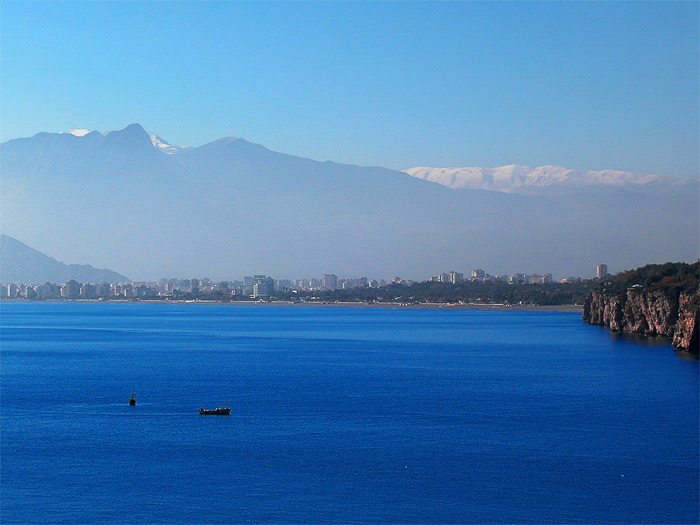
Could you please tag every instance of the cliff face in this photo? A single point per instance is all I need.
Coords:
(668, 312)
(687, 330)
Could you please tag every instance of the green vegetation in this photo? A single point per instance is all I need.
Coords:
(466, 292)
(678, 276)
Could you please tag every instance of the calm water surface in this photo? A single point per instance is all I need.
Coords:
(339, 415)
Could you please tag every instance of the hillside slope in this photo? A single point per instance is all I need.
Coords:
(232, 208)
(21, 264)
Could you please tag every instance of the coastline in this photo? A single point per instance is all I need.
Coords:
(564, 308)
(436, 306)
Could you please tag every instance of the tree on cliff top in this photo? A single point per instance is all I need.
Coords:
(680, 276)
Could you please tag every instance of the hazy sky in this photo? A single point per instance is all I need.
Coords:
(586, 85)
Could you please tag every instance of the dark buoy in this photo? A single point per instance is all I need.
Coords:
(132, 401)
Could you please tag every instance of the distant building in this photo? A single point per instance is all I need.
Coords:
(258, 286)
(601, 271)
(143, 291)
(87, 291)
(248, 283)
(330, 282)
(519, 278)
(263, 287)
(103, 290)
(478, 274)
(283, 284)
(456, 277)
(47, 291)
(571, 279)
(71, 290)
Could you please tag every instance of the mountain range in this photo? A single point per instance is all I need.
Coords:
(550, 180)
(128, 199)
(22, 264)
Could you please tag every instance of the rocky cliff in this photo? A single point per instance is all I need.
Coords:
(662, 308)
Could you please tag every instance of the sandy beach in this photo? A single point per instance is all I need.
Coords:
(315, 304)
(354, 304)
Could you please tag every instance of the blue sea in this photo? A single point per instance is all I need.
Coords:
(339, 415)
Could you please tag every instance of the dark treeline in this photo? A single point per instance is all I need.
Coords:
(681, 276)
(473, 292)
(468, 292)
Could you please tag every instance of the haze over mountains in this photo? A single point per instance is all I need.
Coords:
(128, 200)
(550, 180)
(22, 264)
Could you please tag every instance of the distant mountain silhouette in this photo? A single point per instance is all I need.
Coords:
(21, 264)
(233, 208)
(551, 180)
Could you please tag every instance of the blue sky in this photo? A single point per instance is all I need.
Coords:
(586, 85)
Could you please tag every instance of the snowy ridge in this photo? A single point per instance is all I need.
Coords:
(523, 179)
(217, 202)
(157, 141)
(76, 132)
(163, 146)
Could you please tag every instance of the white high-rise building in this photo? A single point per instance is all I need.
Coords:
(601, 271)
(456, 277)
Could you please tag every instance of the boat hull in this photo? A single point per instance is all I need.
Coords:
(214, 412)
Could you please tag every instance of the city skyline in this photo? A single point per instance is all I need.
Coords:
(252, 287)
(324, 282)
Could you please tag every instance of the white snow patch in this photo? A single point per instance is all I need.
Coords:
(163, 146)
(523, 179)
(76, 132)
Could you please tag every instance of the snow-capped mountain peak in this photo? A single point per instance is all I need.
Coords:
(158, 142)
(523, 179)
(76, 132)
(163, 146)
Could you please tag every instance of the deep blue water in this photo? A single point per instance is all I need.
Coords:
(339, 415)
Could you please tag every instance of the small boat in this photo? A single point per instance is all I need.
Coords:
(220, 411)
(132, 401)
